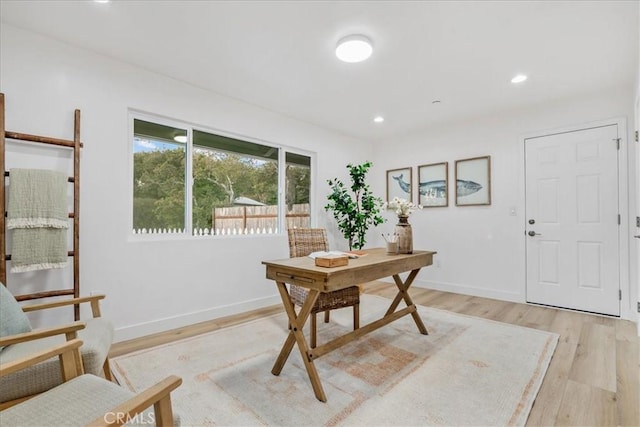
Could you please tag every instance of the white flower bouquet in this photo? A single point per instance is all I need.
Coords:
(402, 207)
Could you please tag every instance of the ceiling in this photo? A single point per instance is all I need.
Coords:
(279, 55)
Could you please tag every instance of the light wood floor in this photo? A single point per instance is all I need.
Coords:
(593, 378)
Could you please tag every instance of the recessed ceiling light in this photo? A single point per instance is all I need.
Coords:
(101, 1)
(354, 48)
(180, 138)
(519, 78)
(378, 119)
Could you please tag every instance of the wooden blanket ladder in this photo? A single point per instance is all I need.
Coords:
(74, 145)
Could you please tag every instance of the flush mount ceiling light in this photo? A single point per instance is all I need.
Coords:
(354, 48)
(378, 119)
(180, 138)
(519, 78)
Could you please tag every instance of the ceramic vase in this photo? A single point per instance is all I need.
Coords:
(405, 235)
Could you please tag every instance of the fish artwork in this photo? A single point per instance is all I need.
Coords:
(437, 189)
(433, 189)
(464, 188)
(404, 186)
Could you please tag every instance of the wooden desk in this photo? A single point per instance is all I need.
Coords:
(303, 272)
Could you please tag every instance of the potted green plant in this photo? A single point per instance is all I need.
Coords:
(355, 208)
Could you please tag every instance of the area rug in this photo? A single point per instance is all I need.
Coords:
(467, 371)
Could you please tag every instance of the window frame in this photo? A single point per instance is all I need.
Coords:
(188, 233)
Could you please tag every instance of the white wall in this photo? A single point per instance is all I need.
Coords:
(481, 249)
(157, 285)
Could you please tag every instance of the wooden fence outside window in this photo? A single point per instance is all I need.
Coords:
(235, 220)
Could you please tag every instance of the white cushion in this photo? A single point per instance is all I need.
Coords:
(75, 403)
(96, 336)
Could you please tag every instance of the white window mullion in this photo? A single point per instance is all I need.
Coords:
(282, 180)
(188, 191)
(312, 193)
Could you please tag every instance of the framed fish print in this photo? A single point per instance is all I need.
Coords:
(399, 184)
(473, 181)
(433, 185)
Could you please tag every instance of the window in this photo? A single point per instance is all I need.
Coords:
(297, 189)
(158, 177)
(235, 183)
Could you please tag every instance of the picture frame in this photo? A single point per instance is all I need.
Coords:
(473, 181)
(399, 184)
(433, 185)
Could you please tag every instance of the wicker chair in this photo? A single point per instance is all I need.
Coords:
(302, 242)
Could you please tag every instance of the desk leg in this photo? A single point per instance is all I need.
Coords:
(297, 336)
(404, 295)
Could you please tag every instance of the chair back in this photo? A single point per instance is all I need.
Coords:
(303, 241)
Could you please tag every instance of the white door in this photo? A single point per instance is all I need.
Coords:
(572, 220)
(637, 218)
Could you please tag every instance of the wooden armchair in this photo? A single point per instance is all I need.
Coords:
(302, 242)
(18, 340)
(84, 399)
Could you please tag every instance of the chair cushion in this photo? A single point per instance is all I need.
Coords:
(74, 403)
(96, 336)
(12, 319)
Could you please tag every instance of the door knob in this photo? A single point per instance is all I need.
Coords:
(637, 236)
(533, 233)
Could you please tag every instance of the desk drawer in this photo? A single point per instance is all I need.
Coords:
(305, 280)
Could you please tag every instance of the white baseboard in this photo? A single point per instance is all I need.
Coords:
(168, 323)
(471, 290)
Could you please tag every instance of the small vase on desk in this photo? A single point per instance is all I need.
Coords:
(405, 235)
